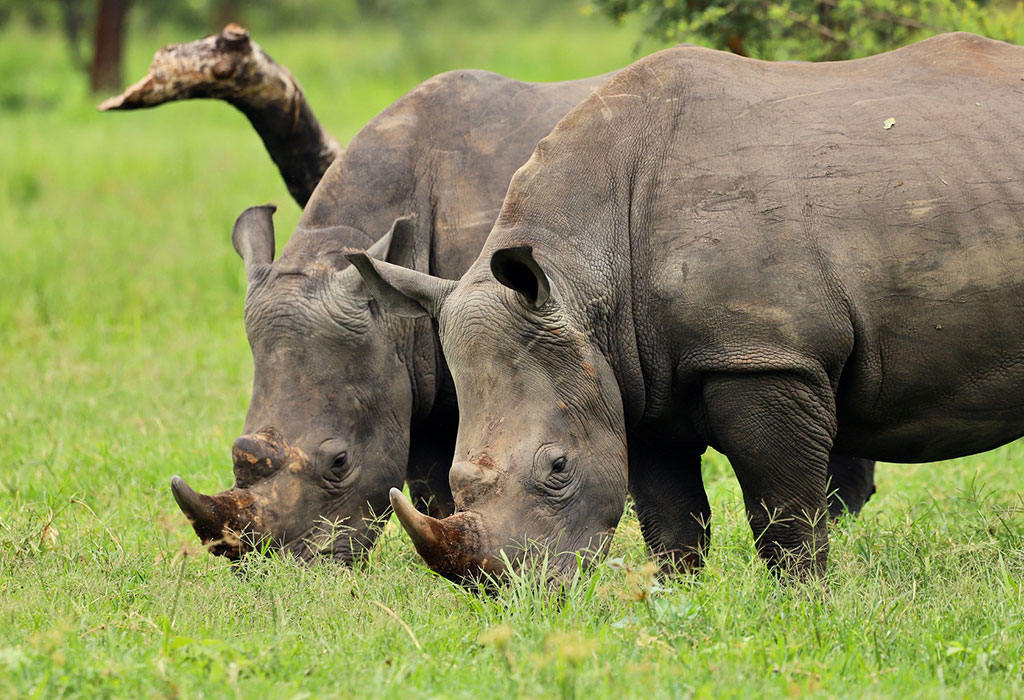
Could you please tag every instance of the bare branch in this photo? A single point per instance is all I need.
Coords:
(230, 67)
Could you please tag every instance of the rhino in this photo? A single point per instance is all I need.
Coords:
(776, 261)
(349, 402)
(346, 402)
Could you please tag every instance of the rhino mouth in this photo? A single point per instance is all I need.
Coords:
(457, 547)
(452, 546)
(334, 541)
(227, 526)
(220, 521)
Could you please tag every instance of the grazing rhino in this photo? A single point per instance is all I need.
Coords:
(347, 403)
(773, 260)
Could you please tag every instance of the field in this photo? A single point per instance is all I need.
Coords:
(123, 361)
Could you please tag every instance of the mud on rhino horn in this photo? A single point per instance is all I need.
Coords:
(450, 546)
(211, 518)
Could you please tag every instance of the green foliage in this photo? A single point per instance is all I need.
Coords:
(814, 30)
(205, 16)
(123, 360)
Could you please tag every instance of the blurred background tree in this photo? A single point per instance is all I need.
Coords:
(108, 43)
(95, 30)
(107, 22)
(812, 30)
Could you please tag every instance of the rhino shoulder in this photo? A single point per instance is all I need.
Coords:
(462, 80)
(959, 53)
(427, 107)
(959, 41)
(379, 173)
(437, 98)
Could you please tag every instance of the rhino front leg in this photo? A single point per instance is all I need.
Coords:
(431, 449)
(671, 504)
(777, 431)
(851, 482)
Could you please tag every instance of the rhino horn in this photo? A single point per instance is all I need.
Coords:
(450, 546)
(211, 518)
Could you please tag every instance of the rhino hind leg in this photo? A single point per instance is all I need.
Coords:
(430, 459)
(671, 503)
(777, 430)
(230, 67)
(851, 484)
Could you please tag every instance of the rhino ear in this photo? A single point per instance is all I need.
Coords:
(395, 247)
(402, 291)
(399, 239)
(517, 269)
(253, 236)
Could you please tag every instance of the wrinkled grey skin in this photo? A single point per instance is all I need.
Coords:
(347, 401)
(718, 251)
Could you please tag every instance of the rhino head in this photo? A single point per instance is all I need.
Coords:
(539, 472)
(327, 432)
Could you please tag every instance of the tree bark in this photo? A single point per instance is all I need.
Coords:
(105, 72)
(230, 67)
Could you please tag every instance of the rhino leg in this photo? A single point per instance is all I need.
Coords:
(851, 482)
(777, 431)
(671, 504)
(430, 458)
(230, 67)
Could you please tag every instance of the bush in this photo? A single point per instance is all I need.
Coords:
(813, 30)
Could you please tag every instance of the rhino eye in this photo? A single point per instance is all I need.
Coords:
(559, 479)
(337, 473)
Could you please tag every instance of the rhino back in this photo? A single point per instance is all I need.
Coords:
(445, 153)
(760, 216)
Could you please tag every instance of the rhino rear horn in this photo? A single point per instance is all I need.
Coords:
(253, 237)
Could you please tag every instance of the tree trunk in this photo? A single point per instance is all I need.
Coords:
(227, 12)
(230, 67)
(105, 72)
(73, 19)
(736, 44)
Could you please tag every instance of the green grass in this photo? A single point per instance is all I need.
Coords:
(123, 360)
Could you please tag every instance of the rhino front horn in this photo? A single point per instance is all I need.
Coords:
(202, 511)
(451, 546)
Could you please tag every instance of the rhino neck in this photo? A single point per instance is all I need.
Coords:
(585, 196)
(432, 385)
(602, 306)
(588, 260)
